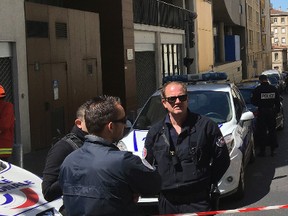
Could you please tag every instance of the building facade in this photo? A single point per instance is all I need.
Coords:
(279, 39)
(63, 52)
(229, 32)
(254, 48)
(265, 35)
(13, 67)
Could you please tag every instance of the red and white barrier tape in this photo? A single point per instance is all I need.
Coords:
(242, 210)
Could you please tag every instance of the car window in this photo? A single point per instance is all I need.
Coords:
(152, 112)
(239, 103)
(213, 104)
(274, 75)
(273, 80)
(246, 93)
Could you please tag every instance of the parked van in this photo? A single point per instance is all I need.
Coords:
(275, 73)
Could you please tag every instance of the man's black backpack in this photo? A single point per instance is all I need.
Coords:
(70, 138)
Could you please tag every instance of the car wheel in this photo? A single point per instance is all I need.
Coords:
(241, 186)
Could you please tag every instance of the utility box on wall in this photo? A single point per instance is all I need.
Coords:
(232, 48)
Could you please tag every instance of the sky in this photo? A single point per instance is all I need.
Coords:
(277, 3)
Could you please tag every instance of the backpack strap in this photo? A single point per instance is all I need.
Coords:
(73, 140)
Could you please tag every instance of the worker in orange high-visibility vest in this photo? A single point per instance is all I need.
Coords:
(6, 126)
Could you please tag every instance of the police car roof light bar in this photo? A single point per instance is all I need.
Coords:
(208, 76)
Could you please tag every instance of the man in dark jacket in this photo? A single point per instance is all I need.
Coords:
(190, 153)
(59, 151)
(98, 178)
(267, 99)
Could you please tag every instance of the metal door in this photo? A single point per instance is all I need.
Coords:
(48, 101)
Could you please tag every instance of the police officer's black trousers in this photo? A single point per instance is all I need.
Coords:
(177, 206)
(266, 129)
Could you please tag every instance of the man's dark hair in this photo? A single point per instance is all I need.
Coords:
(81, 110)
(263, 78)
(100, 112)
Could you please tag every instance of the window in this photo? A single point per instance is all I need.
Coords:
(240, 9)
(276, 40)
(250, 36)
(37, 29)
(282, 20)
(283, 30)
(249, 12)
(275, 20)
(283, 40)
(61, 30)
(258, 37)
(275, 30)
(171, 56)
(238, 103)
(276, 56)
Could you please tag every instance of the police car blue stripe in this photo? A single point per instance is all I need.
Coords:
(135, 141)
(7, 169)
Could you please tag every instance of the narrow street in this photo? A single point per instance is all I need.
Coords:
(266, 179)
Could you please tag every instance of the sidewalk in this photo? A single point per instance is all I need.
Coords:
(33, 161)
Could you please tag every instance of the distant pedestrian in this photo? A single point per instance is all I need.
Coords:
(266, 98)
(7, 121)
(98, 178)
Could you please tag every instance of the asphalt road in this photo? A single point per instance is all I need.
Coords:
(266, 179)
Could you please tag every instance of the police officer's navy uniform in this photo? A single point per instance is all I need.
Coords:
(267, 99)
(188, 163)
(99, 179)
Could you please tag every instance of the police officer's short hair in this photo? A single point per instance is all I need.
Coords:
(100, 112)
(263, 78)
(184, 86)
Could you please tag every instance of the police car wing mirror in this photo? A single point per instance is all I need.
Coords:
(246, 116)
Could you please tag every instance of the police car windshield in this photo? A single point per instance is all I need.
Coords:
(213, 104)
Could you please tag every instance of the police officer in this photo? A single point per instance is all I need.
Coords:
(98, 178)
(267, 99)
(189, 151)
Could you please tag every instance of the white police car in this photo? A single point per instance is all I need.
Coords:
(223, 103)
(20, 193)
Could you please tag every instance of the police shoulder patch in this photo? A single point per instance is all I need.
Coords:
(220, 141)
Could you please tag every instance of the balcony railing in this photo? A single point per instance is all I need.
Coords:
(158, 13)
